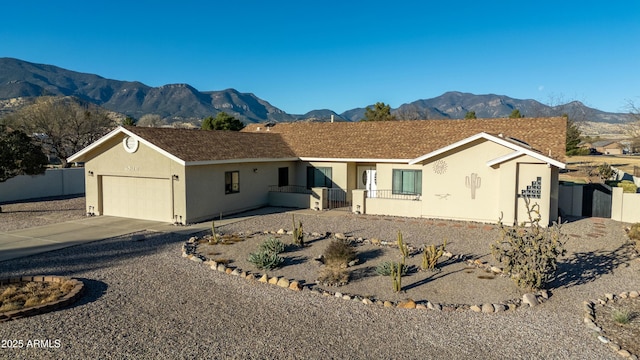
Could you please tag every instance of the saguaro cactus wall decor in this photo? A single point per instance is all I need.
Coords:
(472, 182)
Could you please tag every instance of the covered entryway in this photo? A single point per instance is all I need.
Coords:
(137, 198)
(367, 179)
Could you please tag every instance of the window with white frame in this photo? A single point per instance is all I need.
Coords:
(407, 182)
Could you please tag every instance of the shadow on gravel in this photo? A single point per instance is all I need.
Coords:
(93, 290)
(75, 260)
(584, 267)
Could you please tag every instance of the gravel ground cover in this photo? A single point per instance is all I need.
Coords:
(22, 215)
(144, 301)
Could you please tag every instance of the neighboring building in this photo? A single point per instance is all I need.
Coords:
(607, 147)
(475, 170)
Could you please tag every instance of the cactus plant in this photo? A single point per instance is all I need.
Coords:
(214, 236)
(431, 255)
(397, 268)
(473, 182)
(298, 233)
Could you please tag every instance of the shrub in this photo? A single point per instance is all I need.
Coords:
(621, 317)
(634, 232)
(628, 186)
(265, 260)
(339, 252)
(333, 275)
(272, 245)
(530, 253)
(384, 268)
(605, 171)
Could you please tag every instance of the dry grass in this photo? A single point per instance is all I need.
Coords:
(579, 166)
(23, 295)
(621, 323)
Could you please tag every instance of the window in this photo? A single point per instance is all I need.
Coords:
(407, 182)
(318, 177)
(231, 182)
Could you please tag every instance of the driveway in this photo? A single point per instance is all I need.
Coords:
(31, 241)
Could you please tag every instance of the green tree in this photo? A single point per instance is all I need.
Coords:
(573, 135)
(470, 115)
(19, 155)
(379, 112)
(515, 114)
(129, 121)
(222, 121)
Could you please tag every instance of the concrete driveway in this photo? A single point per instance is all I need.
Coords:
(26, 242)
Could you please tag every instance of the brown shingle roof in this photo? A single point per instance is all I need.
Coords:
(411, 139)
(200, 145)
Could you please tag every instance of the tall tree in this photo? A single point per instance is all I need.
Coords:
(573, 135)
(470, 115)
(129, 121)
(64, 125)
(632, 128)
(515, 114)
(222, 121)
(379, 112)
(19, 155)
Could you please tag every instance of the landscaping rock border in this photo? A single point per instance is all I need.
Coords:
(190, 251)
(590, 319)
(66, 300)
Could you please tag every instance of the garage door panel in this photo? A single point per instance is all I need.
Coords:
(137, 198)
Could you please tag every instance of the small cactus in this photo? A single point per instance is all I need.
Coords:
(214, 236)
(431, 255)
(298, 233)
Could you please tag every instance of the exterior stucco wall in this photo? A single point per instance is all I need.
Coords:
(144, 163)
(459, 185)
(205, 188)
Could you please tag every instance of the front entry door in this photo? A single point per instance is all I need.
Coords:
(367, 179)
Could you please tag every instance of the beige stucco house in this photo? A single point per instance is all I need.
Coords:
(475, 170)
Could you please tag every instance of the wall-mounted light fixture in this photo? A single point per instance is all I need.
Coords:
(90, 173)
(255, 170)
(174, 177)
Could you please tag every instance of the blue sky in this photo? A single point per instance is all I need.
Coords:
(304, 55)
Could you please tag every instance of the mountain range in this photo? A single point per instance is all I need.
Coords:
(181, 102)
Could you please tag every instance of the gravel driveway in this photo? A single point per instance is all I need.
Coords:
(144, 301)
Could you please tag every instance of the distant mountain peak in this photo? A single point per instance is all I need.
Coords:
(181, 101)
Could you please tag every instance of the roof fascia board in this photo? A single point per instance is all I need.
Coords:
(98, 142)
(355, 160)
(504, 158)
(237, 161)
(112, 134)
(494, 139)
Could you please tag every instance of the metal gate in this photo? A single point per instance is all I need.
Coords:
(337, 199)
(596, 200)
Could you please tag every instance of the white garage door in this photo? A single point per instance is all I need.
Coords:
(137, 198)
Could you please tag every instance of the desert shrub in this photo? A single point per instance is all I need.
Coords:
(628, 186)
(622, 317)
(530, 253)
(339, 252)
(265, 260)
(333, 275)
(605, 171)
(384, 268)
(272, 245)
(634, 232)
